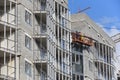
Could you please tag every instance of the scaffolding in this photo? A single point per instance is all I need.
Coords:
(8, 39)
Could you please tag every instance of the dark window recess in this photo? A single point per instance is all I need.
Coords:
(28, 17)
(28, 68)
(27, 42)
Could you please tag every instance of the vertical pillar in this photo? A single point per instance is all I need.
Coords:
(5, 36)
(99, 62)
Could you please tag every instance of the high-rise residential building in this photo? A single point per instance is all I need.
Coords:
(35, 40)
(93, 50)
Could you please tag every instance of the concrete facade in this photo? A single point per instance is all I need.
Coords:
(35, 43)
(116, 39)
(34, 40)
(98, 59)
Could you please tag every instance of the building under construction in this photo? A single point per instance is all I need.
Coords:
(34, 40)
(37, 43)
(8, 39)
(92, 50)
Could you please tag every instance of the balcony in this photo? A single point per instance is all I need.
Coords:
(8, 18)
(7, 45)
(40, 6)
(40, 30)
(40, 56)
(104, 60)
(7, 2)
(7, 72)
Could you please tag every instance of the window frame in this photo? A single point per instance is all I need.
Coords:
(28, 42)
(28, 17)
(28, 65)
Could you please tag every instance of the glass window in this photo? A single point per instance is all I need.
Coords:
(73, 58)
(77, 77)
(81, 78)
(43, 4)
(73, 76)
(81, 63)
(42, 76)
(78, 48)
(63, 44)
(63, 22)
(27, 42)
(79, 68)
(43, 28)
(28, 17)
(28, 68)
(78, 58)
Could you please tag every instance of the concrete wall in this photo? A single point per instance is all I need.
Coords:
(82, 23)
(88, 56)
(25, 29)
(85, 25)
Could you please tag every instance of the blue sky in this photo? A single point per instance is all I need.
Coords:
(105, 13)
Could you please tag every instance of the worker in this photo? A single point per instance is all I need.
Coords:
(81, 36)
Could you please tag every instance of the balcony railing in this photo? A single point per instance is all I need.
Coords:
(104, 59)
(40, 55)
(8, 17)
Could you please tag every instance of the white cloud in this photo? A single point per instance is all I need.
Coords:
(111, 31)
(108, 20)
(99, 24)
